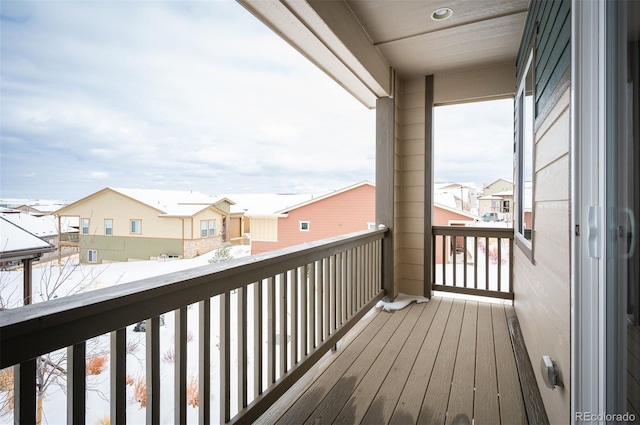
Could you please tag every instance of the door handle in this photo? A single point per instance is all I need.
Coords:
(632, 219)
(594, 232)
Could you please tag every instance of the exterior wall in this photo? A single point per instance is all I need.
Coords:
(442, 217)
(120, 209)
(197, 247)
(264, 229)
(123, 248)
(497, 187)
(542, 288)
(410, 187)
(339, 214)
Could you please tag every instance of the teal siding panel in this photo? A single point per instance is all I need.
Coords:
(548, 73)
(556, 76)
(547, 35)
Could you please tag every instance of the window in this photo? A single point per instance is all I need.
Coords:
(92, 256)
(136, 227)
(525, 118)
(207, 228)
(85, 226)
(371, 226)
(505, 206)
(304, 226)
(108, 227)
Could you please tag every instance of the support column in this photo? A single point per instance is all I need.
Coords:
(428, 186)
(385, 185)
(27, 284)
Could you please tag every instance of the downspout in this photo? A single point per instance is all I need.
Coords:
(182, 230)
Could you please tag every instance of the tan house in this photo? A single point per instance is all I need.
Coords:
(500, 185)
(140, 224)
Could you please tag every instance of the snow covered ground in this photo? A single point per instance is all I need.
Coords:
(71, 278)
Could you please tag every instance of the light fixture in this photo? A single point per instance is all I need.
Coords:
(441, 14)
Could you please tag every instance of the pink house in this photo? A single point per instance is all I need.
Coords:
(337, 213)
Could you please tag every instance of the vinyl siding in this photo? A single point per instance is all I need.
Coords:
(553, 46)
(343, 213)
(542, 288)
(119, 248)
(410, 206)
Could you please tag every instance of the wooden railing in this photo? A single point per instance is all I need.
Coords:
(276, 314)
(473, 261)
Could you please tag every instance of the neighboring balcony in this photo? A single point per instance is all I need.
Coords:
(267, 323)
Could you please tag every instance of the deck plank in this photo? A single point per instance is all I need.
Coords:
(434, 406)
(339, 398)
(460, 407)
(510, 394)
(314, 396)
(412, 396)
(486, 403)
(367, 377)
(385, 400)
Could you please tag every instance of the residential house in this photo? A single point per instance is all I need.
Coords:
(499, 185)
(140, 224)
(572, 69)
(465, 194)
(335, 213)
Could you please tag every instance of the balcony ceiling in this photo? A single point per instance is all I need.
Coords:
(478, 33)
(362, 43)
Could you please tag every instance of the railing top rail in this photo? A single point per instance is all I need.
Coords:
(66, 321)
(490, 232)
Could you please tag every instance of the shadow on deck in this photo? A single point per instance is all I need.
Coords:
(444, 362)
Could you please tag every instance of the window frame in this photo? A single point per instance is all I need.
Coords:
(301, 225)
(83, 227)
(528, 73)
(131, 229)
(108, 220)
(92, 258)
(212, 228)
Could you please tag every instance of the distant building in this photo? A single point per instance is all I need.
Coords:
(140, 224)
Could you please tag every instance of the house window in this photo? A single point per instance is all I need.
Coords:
(108, 227)
(304, 226)
(85, 226)
(505, 206)
(92, 256)
(525, 145)
(136, 227)
(207, 228)
(371, 226)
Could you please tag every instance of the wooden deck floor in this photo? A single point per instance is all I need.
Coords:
(443, 362)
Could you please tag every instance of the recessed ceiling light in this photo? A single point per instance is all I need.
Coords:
(442, 14)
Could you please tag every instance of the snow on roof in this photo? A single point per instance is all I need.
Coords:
(43, 226)
(42, 205)
(446, 199)
(265, 203)
(14, 240)
(172, 202)
(505, 193)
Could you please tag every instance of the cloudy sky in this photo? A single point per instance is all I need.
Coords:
(193, 96)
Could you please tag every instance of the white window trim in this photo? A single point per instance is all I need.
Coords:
(131, 232)
(105, 226)
(301, 223)
(82, 227)
(92, 258)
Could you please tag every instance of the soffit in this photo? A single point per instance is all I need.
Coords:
(478, 34)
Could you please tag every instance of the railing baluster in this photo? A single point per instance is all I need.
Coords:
(327, 282)
(257, 339)
(76, 383)
(486, 259)
(24, 392)
(180, 381)
(271, 330)
(499, 241)
(119, 376)
(511, 265)
(242, 347)
(445, 259)
(308, 276)
(283, 324)
(464, 260)
(295, 281)
(225, 357)
(315, 307)
(204, 362)
(152, 337)
(475, 262)
(337, 293)
(455, 255)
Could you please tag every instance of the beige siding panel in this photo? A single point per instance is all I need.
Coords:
(413, 100)
(413, 147)
(411, 255)
(542, 289)
(554, 143)
(413, 85)
(414, 116)
(496, 81)
(207, 214)
(264, 229)
(412, 240)
(412, 194)
(413, 132)
(411, 225)
(412, 272)
(412, 162)
(552, 182)
(412, 209)
(411, 286)
(412, 178)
